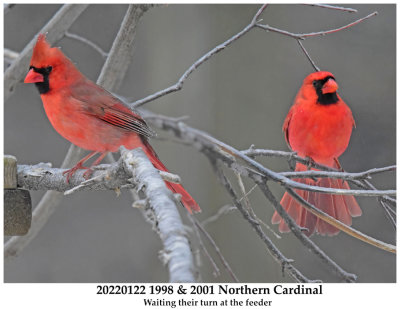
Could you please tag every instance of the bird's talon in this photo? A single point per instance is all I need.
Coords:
(88, 173)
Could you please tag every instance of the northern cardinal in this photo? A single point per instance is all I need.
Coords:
(89, 116)
(319, 126)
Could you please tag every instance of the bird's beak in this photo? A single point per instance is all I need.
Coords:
(33, 77)
(330, 86)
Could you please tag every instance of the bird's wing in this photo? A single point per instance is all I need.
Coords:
(103, 105)
(285, 127)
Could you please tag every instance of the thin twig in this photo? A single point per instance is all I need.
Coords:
(254, 23)
(349, 277)
(87, 42)
(341, 226)
(340, 175)
(217, 250)
(316, 68)
(305, 35)
(333, 7)
(286, 264)
(302, 36)
(221, 211)
(179, 84)
(216, 271)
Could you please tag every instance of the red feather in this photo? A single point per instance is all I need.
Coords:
(89, 116)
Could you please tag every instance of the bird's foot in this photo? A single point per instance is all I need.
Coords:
(88, 173)
(72, 171)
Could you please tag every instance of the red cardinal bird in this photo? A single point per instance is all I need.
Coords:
(89, 116)
(319, 126)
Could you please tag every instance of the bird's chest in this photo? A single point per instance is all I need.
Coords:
(65, 115)
(320, 131)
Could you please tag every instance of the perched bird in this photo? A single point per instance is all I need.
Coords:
(318, 126)
(89, 116)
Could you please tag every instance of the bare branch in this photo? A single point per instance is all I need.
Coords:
(178, 85)
(334, 7)
(305, 35)
(55, 28)
(302, 36)
(341, 226)
(216, 272)
(121, 52)
(302, 237)
(253, 152)
(10, 55)
(221, 211)
(340, 175)
(316, 68)
(216, 248)
(272, 249)
(254, 23)
(167, 222)
(87, 42)
(192, 135)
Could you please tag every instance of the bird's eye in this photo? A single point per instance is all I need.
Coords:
(314, 83)
(49, 68)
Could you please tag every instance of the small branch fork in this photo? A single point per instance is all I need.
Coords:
(255, 22)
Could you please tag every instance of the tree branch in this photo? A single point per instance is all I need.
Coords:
(179, 84)
(87, 42)
(192, 135)
(166, 220)
(286, 263)
(341, 226)
(334, 7)
(302, 36)
(306, 241)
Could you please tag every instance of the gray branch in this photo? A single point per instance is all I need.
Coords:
(202, 141)
(105, 177)
(254, 170)
(176, 254)
(286, 263)
(55, 28)
(179, 84)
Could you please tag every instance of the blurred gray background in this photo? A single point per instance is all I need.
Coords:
(240, 96)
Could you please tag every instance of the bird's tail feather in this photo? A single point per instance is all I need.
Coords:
(341, 207)
(187, 201)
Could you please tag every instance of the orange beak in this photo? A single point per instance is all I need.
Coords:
(330, 86)
(33, 77)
